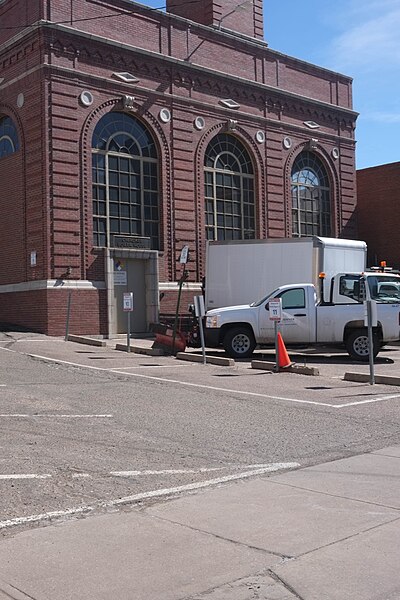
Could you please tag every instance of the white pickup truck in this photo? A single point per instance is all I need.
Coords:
(309, 320)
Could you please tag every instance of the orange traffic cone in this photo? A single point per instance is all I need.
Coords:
(283, 357)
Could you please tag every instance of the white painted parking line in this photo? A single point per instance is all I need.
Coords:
(28, 340)
(45, 516)
(183, 383)
(55, 416)
(184, 471)
(127, 474)
(24, 476)
(209, 387)
(369, 401)
(200, 484)
(162, 472)
(38, 340)
(149, 367)
(145, 496)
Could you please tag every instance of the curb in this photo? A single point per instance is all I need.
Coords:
(213, 360)
(363, 378)
(270, 366)
(78, 339)
(140, 350)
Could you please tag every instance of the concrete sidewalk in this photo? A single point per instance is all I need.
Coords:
(329, 532)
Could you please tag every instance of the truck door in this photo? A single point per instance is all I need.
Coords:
(296, 323)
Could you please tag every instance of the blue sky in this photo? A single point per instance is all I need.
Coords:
(360, 38)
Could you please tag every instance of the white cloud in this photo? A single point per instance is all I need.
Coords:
(370, 41)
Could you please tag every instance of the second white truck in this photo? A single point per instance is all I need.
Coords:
(311, 318)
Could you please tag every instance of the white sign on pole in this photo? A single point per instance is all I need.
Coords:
(199, 307)
(275, 309)
(200, 312)
(128, 301)
(184, 255)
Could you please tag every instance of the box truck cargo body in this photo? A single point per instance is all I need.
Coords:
(241, 272)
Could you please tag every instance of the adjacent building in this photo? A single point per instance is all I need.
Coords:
(128, 133)
(378, 215)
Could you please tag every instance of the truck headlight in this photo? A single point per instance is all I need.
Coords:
(212, 322)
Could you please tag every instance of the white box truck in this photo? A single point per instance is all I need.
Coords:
(240, 272)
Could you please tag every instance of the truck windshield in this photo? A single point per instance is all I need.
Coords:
(259, 302)
(384, 288)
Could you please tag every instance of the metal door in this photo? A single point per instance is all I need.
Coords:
(129, 276)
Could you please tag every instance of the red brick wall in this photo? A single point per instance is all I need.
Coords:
(88, 313)
(12, 210)
(26, 309)
(378, 212)
(15, 15)
(24, 174)
(45, 311)
(52, 202)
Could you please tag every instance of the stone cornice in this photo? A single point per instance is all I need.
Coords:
(185, 66)
(167, 99)
(192, 67)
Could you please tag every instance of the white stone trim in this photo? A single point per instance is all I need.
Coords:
(174, 286)
(52, 284)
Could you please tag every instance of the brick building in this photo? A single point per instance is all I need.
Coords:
(378, 215)
(127, 133)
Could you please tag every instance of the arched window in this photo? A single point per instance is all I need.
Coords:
(8, 137)
(125, 181)
(311, 198)
(229, 190)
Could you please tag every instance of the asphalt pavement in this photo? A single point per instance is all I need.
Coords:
(329, 531)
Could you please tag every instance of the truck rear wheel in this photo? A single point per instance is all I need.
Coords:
(357, 344)
(239, 342)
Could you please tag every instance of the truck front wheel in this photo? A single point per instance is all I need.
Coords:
(239, 342)
(357, 344)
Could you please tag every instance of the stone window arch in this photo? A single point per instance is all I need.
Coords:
(311, 197)
(125, 170)
(229, 190)
(9, 142)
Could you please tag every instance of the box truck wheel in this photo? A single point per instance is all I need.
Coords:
(357, 344)
(239, 342)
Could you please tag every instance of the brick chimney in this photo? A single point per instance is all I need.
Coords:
(242, 16)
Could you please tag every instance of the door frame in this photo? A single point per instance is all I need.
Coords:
(152, 296)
